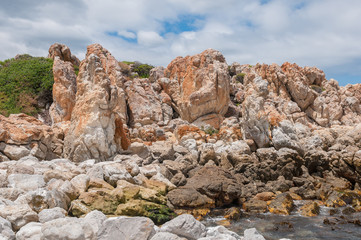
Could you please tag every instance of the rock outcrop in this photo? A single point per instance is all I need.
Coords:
(63, 52)
(64, 90)
(96, 129)
(199, 87)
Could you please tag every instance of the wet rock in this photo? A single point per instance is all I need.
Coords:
(233, 213)
(282, 204)
(310, 209)
(255, 206)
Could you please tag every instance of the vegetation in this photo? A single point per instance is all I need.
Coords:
(143, 70)
(161, 214)
(240, 77)
(24, 80)
(209, 130)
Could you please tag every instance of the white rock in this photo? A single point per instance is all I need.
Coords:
(68, 228)
(252, 234)
(166, 236)
(95, 219)
(130, 228)
(3, 178)
(185, 226)
(5, 228)
(114, 172)
(81, 182)
(149, 170)
(31, 231)
(26, 182)
(18, 215)
(222, 233)
(50, 214)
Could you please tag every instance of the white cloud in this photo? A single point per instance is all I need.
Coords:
(320, 33)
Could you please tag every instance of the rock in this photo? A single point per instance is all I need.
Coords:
(31, 231)
(282, 204)
(10, 193)
(265, 196)
(162, 151)
(68, 228)
(216, 183)
(166, 236)
(184, 197)
(14, 152)
(310, 209)
(144, 104)
(63, 52)
(198, 86)
(95, 220)
(47, 215)
(255, 206)
(140, 149)
(156, 73)
(80, 183)
(233, 213)
(64, 90)
(103, 200)
(29, 134)
(26, 182)
(96, 129)
(222, 233)
(284, 136)
(132, 228)
(114, 172)
(6, 230)
(185, 226)
(18, 215)
(252, 234)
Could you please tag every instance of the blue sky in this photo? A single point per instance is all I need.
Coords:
(321, 33)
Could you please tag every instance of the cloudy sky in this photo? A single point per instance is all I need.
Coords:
(321, 33)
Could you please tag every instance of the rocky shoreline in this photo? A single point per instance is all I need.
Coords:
(195, 136)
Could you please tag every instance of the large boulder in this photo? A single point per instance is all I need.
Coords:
(96, 130)
(199, 86)
(64, 90)
(186, 226)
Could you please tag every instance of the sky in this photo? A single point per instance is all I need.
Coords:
(321, 33)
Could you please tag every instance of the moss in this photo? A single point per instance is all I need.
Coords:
(24, 80)
(160, 214)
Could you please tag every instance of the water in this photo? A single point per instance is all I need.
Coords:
(297, 227)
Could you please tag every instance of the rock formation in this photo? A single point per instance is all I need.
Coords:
(199, 87)
(96, 129)
(63, 52)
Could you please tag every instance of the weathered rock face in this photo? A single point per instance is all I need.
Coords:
(96, 129)
(21, 135)
(64, 90)
(199, 86)
(63, 52)
(144, 104)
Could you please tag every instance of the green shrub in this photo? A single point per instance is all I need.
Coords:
(143, 70)
(22, 81)
(240, 77)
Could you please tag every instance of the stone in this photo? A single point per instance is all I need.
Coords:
(252, 234)
(64, 90)
(63, 52)
(284, 136)
(166, 236)
(47, 215)
(114, 172)
(6, 230)
(186, 226)
(310, 209)
(265, 196)
(14, 152)
(184, 197)
(255, 206)
(162, 151)
(80, 183)
(31, 231)
(95, 220)
(156, 73)
(96, 129)
(198, 86)
(132, 228)
(18, 215)
(282, 204)
(26, 182)
(220, 232)
(68, 228)
(144, 104)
